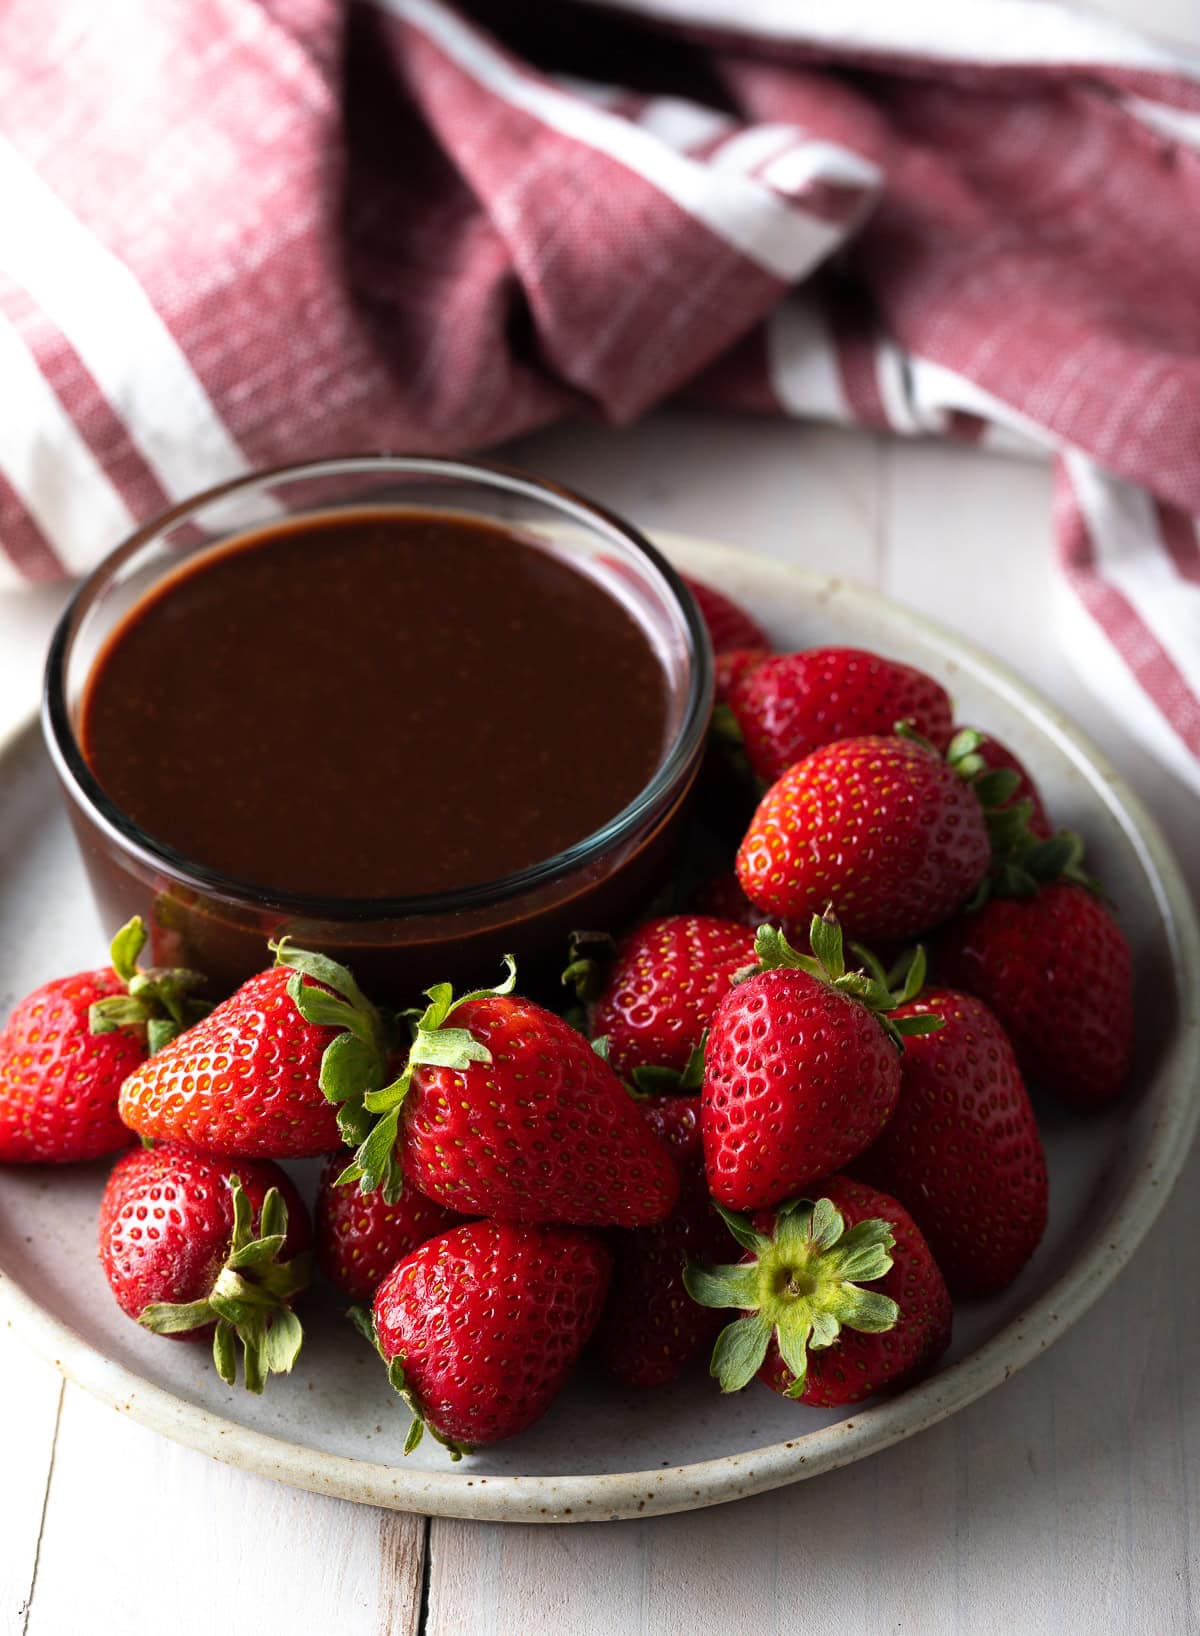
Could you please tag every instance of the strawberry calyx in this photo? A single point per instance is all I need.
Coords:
(589, 955)
(1022, 862)
(376, 1162)
(869, 985)
(250, 1301)
(651, 1080)
(161, 999)
(355, 1062)
(365, 1324)
(800, 1286)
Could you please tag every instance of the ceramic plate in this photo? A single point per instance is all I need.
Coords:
(334, 1426)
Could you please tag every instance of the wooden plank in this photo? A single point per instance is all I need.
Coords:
(166, 1538)
(29, 1400)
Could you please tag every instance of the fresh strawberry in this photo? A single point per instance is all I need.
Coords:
(802, 1069)
(881, 828)
(810, 1331)
(791, 704)
(481, 1327)
(962, 1150)
(731, 667)
(998, 758)
(1058, 972)
(508, 1112)
(728, 625)
(68, 1046)
(195, 1247)
(651, 1328)
(657, 997)
(276, 1071)
(360, 1236)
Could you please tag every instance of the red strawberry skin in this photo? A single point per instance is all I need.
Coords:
(879, 827)
(728, 625)
(962, 1150)
(858, 1365)
(59, 1082)
(489, 1320)
(360, 1237)
(545, 1132)
(243, 1081)
(663, 987)
(792, 703)
(166, 1221)
(652, 1329)
(998, 757)
(732, 667)
(1058, 972)
(798, 1081)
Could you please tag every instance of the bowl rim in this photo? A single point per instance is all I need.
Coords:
(584, 1497)
(680, 756)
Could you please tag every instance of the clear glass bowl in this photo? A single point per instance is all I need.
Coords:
(203, 918)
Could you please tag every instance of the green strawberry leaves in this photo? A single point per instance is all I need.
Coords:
(355, 1062)
(365, 1324)
(589, 955)
(1022, 862)
(870, 986)
(800, 1286)
(376, 1162)
(655, 1081)
(162, 1000)
(250, 1302)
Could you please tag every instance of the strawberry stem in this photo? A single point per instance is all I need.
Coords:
(800, 1285)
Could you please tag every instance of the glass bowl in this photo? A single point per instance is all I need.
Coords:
(202, 918)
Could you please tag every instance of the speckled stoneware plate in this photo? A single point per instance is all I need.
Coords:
(334, 1426)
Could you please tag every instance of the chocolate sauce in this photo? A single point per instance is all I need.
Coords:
(380, 703)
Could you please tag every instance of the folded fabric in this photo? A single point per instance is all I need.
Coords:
(237, 232)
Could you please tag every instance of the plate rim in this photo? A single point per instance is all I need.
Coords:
(582, 1497)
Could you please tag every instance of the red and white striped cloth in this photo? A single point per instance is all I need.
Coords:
(234, 232)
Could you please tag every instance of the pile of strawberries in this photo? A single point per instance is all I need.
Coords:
(755, 1107)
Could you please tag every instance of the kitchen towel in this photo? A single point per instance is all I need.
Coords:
(238, 232)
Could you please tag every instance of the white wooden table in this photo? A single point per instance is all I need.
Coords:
(1067, 1502)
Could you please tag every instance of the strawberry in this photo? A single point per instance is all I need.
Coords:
(481, 1327)
(658, 996)
(276, 1071)
(962, 1151)
(651, 1328)
(810, 1331)
(728, 625)
(196, 1247)
(801, 1069)
(360, 1236)
(510, 1113)
(68, 1046)
(881, 828)
(1058, 972)
(791, 704)
(731, 667)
